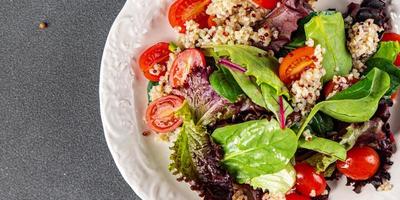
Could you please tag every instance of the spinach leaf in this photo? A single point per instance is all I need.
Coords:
(225, 85)
(321, 124)
(387, 66)
(324, 146)
(249, 88)
(150, 85)
(388, 50)
(255, 148)
(276, 183)
(357, 103)
(327, 29)
(272, 102)
(256, 61)
(321, 162)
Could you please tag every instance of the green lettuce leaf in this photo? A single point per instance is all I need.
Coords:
(321, 124)
(255, 148)
(324, 146)
(150, 85)
(357, 103)
(327, 29)
(256, 61)
(260, 82)
(225, 85)
(387, 66)
(388, 50)
(277, 183)
(196, 160)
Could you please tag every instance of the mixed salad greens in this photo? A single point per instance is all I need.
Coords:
(230, 106)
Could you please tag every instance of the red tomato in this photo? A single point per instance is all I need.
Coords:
(185, 10)
(391, 37)
(183, 64)
(268, 4)
(308, 182)
(394, 95)
(211, 21)
(361, 163)
(397, 61)
(328, 88)
(295, 196)
(160, 115)
(295, 63)
(156, 54)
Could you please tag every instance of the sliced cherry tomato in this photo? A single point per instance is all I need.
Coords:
(391, 37)
(153, 61)
(160, 115)
(185, 10)
(328, 88)
(397, 61)
(183, 65)
(295, 196)
(295, 63)
(268, 4)
(309, 182)
(361, 163)
(211, 21)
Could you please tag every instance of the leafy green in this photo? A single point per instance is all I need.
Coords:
(357, 103)
(324, 146)
(249, 87)
(322, 162)
(255, 148)
(196, 161)
(267, 87)
(327, 29)
(277, 183)
(387, 66)
(272, 102)
(150, 85)
(256, 61)
(321, 124)
(225, 85)
(298, 37)
(388, 50)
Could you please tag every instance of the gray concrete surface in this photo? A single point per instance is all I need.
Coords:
(51, 138)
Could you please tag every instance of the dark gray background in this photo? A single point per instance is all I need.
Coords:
(51, 138)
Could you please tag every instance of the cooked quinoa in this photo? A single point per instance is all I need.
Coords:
(386, 186)
(307, 89)
(164, 88)
(341, 83)
(268, 196)
(236, 21)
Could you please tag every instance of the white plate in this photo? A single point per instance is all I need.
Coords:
(143, 161)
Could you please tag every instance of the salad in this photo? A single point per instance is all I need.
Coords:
(270, 99)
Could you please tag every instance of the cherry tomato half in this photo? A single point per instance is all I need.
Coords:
(391, 37)
(309, 182)
(295, 196)
(361, 163)
(295, 63)
(397, 61)
(268, 4)
(183, 65)
(160, 115)
(185, 10)
(153, 61)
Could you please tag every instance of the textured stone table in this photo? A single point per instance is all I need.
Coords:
(51, 138)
